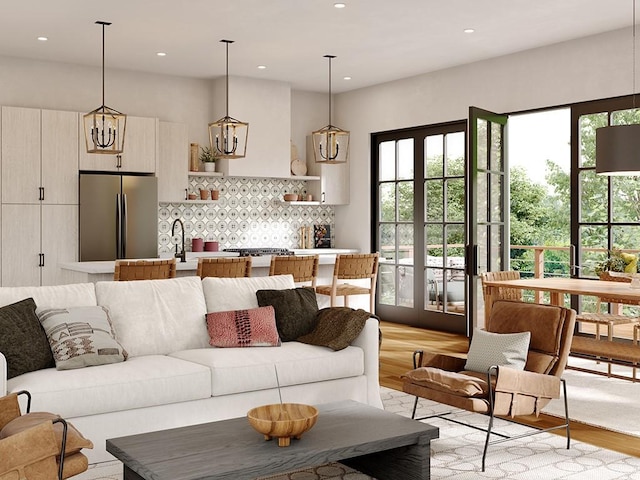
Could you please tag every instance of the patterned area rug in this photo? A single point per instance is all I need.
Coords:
(457, 453)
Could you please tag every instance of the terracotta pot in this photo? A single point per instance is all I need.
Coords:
(215, 194)
(204, 194)
(192, 196)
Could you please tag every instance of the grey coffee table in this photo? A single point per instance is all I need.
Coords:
(378, 443)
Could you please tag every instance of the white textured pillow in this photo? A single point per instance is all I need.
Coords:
(502, 349)
(224, 294)
(156, 317)
(80, 337)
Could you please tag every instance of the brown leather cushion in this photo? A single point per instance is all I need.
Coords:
(75, 440)
(540, 362)
(545, 323)
(448, 382)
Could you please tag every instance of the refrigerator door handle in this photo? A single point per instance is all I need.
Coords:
(118, 226)
(124, 225)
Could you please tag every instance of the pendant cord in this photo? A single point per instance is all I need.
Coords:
(633, 29)
(330, 91)
(103, 64)
(228, 78)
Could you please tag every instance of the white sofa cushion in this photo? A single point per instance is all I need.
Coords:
(55, 296)
(156, 317)
(237, 370)
(137, 383)
(223, 294)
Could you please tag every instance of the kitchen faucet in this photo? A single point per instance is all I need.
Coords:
(182, 255)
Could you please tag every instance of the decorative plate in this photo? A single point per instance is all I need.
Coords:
(298, 167)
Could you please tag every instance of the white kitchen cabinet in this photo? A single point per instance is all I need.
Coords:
(333, 186)
(21, 155)
(139, 153)
(21, 255)
(59, 240)
(173, 162)
(39, 164)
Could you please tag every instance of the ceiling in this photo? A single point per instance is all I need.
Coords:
(375, 41)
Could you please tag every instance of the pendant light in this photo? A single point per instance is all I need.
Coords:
(228, 136)
(330, 143)
(618, 146)
(104, 127)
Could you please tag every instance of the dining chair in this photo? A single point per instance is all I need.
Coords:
(304, 268)
(126, 270)
(352, 267)
(505, 293)
(228, 267)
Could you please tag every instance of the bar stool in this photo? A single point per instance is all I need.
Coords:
(304, 268)
(224, 267)
(351, 267)
(126, 270)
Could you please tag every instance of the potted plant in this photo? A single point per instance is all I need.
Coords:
(208, 159)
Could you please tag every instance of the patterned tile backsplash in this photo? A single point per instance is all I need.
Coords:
(250, 212)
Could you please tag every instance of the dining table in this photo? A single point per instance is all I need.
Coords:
(614, 292)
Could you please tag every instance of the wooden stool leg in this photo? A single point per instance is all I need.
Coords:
(346, 300)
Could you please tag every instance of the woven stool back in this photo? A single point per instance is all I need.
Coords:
(303, 268)
(224, 267)
(126, 270)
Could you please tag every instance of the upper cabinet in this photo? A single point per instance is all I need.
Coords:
(173, 162)
(39, 156)
(266, 106)
(139, 153)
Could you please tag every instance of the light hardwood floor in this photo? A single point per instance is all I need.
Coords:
(399, 342)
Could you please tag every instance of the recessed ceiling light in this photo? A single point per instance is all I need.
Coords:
(43, 39)
(347, 78)
(161, 54)
(261, 67)
(339, 5)
(468, 30)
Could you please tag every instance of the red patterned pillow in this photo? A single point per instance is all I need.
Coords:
(255, 327)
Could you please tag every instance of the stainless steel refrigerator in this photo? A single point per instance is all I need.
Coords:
(118, 216)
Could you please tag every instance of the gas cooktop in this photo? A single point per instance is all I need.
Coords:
(258, 252)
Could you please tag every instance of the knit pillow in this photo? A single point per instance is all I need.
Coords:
(296, 310)
(255, 327)
(22, 339)
(502, 349)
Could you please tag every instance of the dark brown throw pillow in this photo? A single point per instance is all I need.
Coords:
(337, 327)
(22, 339)
(296, 310)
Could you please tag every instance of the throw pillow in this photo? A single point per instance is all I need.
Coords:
(255, 327)
(336, 327)
(295, 308)
(80, 337)
(502, 349)
(22, 339)
(75, 440)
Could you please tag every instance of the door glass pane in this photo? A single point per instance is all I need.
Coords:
(587, 125)
(434, 192)
(482, 186)
(455, 251)
(387, 160)
(387, 202)
(405, 280)
(455, 145)
(496, 246)
(405, 244)
(405, 201)
(483, 163)
(434, 156)
(593, 196)
(497, 188)
(405, 159)
(387, 242)
(387, 282)
(434, 235)
(432, 285)
(496, 148)
(483, 249)
(455, 200)
(626, 237)
(626, 199)
(594, 248)
(626, 117)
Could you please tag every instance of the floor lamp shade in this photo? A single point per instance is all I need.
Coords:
(618, 150)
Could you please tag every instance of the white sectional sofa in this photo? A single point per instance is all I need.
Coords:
(172, 377)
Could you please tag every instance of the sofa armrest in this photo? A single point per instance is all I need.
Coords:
(34, 449)
(3, 375)
(520, 392)
(368, 340)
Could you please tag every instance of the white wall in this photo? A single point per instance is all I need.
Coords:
(57, 86)
(586, 69)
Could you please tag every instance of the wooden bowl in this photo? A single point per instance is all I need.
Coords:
(290, 197)
(283, 421)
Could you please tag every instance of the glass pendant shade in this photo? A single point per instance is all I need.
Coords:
(228, 136)
(618, 150)
(104, 127)
(330, 143)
